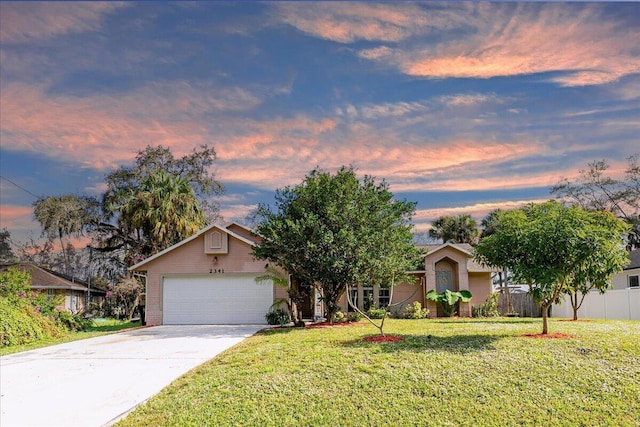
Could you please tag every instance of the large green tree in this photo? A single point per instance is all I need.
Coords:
(157, 202)
(553, 247)
(161, 211)
(595, 190)
(455, 229)
(335, 230)
(65, 216)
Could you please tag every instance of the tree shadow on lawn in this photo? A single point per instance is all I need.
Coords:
(458, 344)
(499, 320)
(277, 330)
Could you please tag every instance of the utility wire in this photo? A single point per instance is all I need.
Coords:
(20, 187)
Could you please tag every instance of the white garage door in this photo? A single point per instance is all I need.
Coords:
(220, 299)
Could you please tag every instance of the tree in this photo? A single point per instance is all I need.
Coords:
(606, 259)
(594, 190)
(65, 216)
(551, 247)
(455, 229)
(6, 252)
(490, 224)
(157, 202)
(336, 230)
(195, 168)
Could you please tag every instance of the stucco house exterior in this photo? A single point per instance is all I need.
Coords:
(208, 278)
(75, 293)
(447, 266)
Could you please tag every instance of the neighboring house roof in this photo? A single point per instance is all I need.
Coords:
(634, 258)
(224, 229)
(466, 249)
(44, 278)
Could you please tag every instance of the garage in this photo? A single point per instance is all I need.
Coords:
(224, 299)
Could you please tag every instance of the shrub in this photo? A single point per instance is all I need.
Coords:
(72, 321)
(14, 283)
(415, 311)
(354, 317)
(122, 298)
(22, 324)
(338, 316)
(487, 309)
(277, 317)
(376, 313)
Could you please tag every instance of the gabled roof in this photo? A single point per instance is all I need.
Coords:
(44, 278)
(634, 258)
(195, 236)
(465, 248)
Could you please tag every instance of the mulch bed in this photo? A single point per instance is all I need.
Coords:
(556, 336)
(380, 338)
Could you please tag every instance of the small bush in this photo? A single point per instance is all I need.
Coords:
(376, 313)
(415, 311)
(73, 322)
(487, 309)
(277, 317)
(338, 316)
(354, 317)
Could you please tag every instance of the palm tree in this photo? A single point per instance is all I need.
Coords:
(164, 211)
(455, 229)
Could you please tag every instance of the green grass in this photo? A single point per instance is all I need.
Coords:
(98, 328)
(469, 373)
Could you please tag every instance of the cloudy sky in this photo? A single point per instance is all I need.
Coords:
(461, 107)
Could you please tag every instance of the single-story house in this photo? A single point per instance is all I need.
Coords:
(447, 266)
(208, 278)
(76, 292)
(629, 277)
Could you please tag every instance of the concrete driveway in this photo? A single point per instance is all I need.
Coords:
(94, 382)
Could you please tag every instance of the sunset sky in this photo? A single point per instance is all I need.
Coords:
(461, 107)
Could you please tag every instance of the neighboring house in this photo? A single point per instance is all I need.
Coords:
(447, 266)
(621, 301)
(75, 292)
(630, 275)
(208, 278)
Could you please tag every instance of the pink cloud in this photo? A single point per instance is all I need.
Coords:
(348, 22)
(26, 21)
(104, 131)
(14, 216)
(534, 38)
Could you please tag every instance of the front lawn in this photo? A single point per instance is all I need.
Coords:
(457, 372)
(97, 328)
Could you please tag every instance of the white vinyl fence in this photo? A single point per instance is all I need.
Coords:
(615, 304)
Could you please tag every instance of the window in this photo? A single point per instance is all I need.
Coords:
(633, 282)
(367, 297)
(383, 297)
(51, 294)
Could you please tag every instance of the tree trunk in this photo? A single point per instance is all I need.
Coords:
(64, 254)
(574, 305)
(545, 327)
